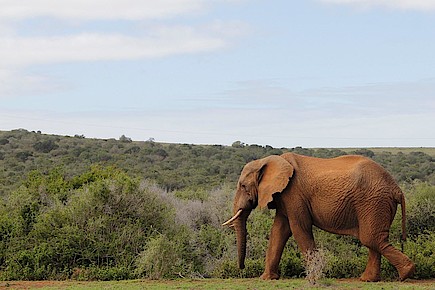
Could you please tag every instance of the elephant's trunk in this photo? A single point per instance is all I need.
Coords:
(241, 233)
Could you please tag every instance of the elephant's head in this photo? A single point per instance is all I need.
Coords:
(259, 180)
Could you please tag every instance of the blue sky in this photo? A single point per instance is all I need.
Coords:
(315, 73)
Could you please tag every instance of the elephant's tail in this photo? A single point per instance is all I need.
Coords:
(403, 206)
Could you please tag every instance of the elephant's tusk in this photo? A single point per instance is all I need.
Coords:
(233, 218)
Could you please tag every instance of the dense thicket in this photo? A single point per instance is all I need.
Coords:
(78, 208)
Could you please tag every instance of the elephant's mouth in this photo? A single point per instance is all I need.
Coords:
(231, 220)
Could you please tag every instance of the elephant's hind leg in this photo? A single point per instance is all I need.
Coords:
(403, 264)
(373, 268)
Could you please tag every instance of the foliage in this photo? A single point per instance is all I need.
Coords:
(421, 250)
(421, 209)
(76, 208)
(160, 259)
(101, 224)
(187, 168)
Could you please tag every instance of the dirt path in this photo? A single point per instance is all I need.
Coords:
(414, 284)
(30, 284)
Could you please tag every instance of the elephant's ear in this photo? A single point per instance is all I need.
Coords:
(274, 175)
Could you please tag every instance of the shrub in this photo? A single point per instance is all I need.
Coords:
(291, 265)
(228, 268)
(159, 260)
(102, 224)
(345, 267)
(421, 209)
(101, 273)
(45, 146)
(421, 250)
(345, 255)
(315, 263)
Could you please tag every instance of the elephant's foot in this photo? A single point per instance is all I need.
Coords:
(372, 272)
(269, 276)
(367, 276)
(407, 271)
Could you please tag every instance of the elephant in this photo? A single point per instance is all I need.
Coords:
(346, 195)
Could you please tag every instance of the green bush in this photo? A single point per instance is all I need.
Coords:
(291, 265)
(45, 146)
(228, 269)
(345, 267)
(421, 209)
(104, 224)
(168, 257)
(160, 259)
(101, 273)
(422, 251)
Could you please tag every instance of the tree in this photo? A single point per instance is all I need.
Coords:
(125, 139)
(45, 146)
(238, 144)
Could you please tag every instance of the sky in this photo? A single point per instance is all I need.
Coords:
(312, 73)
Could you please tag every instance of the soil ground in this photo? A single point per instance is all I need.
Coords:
(218, 284)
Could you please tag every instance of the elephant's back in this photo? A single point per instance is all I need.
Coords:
(353, 173)
(343, 163)
(350, 174)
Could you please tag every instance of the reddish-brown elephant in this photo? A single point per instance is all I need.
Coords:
(348, 195)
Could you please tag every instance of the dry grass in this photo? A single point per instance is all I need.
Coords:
(315, 263)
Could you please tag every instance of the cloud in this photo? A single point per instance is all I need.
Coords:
(419, 5)
(25, 51)
(347, 102)
(87, 42)
(14, 83)
(95, 30)
(22, 52)
(99, 9)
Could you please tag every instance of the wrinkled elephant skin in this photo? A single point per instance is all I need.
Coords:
(348, 195)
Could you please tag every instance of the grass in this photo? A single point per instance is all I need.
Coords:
(218, 284)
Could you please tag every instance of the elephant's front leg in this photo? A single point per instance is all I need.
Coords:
(278, 237)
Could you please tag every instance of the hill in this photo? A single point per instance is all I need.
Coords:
(174, 166)
(394, 150)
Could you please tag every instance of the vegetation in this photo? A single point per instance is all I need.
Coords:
(184, 168)
(315, 263)
(77, 208)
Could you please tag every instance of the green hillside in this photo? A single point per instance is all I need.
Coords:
(89, 209)
(395, 150)
(174, 166)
